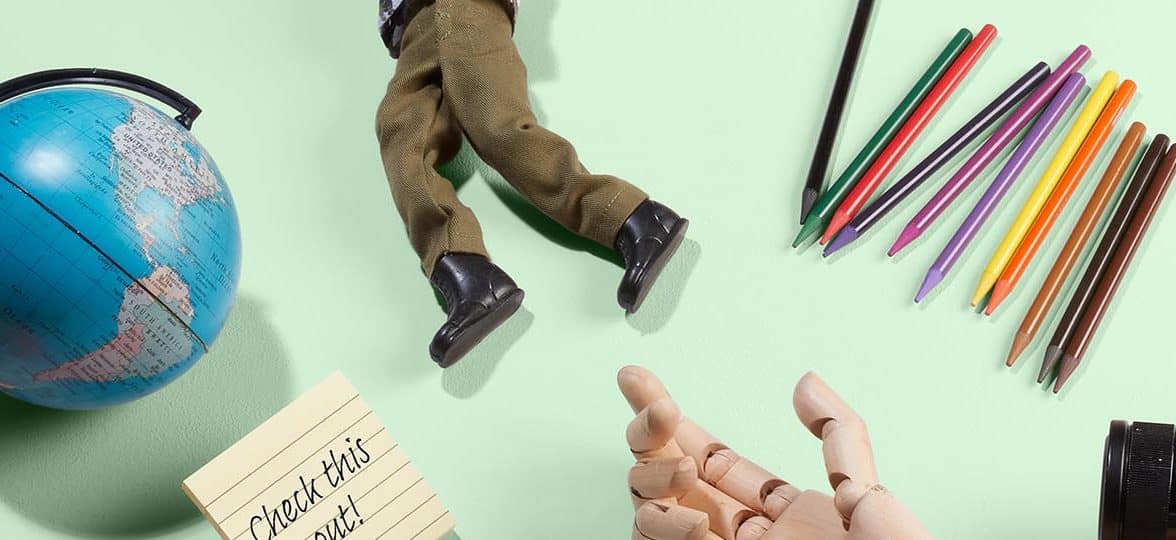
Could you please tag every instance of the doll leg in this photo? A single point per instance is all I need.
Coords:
(486, 82)
(417, 132)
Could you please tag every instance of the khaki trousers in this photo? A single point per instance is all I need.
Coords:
(459, 72)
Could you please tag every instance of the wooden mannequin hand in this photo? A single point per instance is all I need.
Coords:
(687, 485)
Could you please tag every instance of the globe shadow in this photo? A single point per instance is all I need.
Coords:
(117, 472)
(662, 302)
(466, 378)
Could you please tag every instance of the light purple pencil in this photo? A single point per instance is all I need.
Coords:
(993, 146)
(1004, 180)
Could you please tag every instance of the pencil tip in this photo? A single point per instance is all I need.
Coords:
(844, 238)
(982, 290)
(810, 226)
(1053, 353)
(1000, 291)
(840, 219)
(807, 199)
(934, 277)
(1069, 365)
(1020, 342)
(908, 235)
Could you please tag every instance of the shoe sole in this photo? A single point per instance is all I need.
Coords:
(677, 234)
(481, 329)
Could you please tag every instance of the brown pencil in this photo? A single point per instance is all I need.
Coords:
(1103, 254)
(1095, 206)
(1103, 295)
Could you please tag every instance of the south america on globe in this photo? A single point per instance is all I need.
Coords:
(119, 248)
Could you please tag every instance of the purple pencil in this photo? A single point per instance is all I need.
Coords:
(993, 146)
(1004, 180)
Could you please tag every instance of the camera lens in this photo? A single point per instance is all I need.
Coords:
(1137, 497)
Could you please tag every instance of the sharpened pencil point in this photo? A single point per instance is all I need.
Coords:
(1052, 355)
(987, 280)
(1069, 365)
(1000, 291)
(811, 226)
(1021, 342)
(844, 238)
(807, 199)
(934, 277)
(908, 235)
(840, 219)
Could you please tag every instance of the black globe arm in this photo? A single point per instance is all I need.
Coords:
(102, 77)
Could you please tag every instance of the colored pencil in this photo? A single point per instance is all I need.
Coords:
(1065, 189)
(832, 124)
(1109, 283)
(823, 209)
(1079, 235)
(971, 130)
(1101, 258)
(910, 131)
(1045, 186)
(989, 150)
(1007, 176)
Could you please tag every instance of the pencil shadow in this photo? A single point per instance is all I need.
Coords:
(116, 473)
(466, 378)
(661, 304)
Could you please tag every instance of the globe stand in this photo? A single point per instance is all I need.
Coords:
(102, 77)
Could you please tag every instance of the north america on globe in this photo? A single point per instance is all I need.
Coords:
(125, 245)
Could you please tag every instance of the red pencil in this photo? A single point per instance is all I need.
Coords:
(910, 131)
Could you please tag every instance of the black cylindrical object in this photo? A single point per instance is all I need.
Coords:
(1137, 490)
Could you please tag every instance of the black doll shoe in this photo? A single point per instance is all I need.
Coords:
(479, 297)
(647, 241)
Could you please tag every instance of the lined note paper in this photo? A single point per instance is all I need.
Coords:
(323, 468)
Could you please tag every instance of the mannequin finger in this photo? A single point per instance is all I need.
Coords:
(810, 516)
(725, 513)
(640, 387)
(663, 477)
(849, 457)
(653, 428)
(754, 528)
(733, 474)
(881, 516)
(661, 521)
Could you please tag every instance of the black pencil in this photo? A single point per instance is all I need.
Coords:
(824, 151)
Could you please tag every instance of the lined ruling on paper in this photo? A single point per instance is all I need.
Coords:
(323, 468)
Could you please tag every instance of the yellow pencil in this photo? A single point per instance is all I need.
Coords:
(1094, 106)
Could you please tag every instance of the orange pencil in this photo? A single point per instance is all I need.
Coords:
(1081, 163)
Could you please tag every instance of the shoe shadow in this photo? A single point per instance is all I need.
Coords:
(661, 304)
(466, 378)
(116, 473)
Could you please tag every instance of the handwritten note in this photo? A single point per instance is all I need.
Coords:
(323, 468)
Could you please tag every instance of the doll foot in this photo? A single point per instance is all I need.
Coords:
(479, 297)
(647, 241)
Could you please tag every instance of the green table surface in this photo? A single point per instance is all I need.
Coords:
(713, 108)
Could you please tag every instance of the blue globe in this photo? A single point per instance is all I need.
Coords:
(119, 248)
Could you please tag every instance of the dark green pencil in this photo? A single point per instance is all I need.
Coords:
(823, 210)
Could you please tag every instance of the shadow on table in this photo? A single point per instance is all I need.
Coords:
(116, 472)
(661, 304)
(466, 378)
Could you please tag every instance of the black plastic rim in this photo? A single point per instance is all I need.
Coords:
(1110, 514)
(102, 77)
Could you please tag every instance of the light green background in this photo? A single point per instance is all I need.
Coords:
(710, 106)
